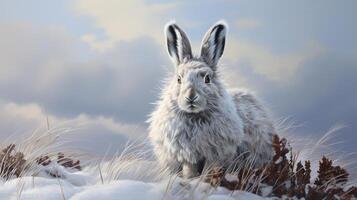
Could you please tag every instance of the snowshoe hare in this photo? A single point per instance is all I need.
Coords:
(197, 121)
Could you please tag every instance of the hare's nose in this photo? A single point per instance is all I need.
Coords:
(191, 101)
(192, 96)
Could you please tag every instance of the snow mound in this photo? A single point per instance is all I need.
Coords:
(84, 186)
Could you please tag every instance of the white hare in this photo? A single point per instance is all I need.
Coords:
(196, 120)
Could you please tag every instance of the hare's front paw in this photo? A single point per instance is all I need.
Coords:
(190, 170)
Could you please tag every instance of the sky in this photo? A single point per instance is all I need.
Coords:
(102, 63)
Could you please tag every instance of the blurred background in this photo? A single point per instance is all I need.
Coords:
(101, 63)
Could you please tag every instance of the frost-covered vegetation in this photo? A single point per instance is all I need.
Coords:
(35, 169)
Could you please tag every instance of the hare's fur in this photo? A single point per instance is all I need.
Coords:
(225, 125)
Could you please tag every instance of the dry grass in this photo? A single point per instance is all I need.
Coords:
(292, 173)
(135, 162)
(26, 157)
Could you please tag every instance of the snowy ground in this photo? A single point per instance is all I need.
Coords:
(130, 175)
(86, 185)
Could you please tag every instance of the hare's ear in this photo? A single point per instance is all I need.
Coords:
(178, 45)
(213, 43)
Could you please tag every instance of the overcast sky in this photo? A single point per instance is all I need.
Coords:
(103, 62)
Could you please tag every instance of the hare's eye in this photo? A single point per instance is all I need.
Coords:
(207, 79)
(179, 79)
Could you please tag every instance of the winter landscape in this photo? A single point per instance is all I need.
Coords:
(127, 99)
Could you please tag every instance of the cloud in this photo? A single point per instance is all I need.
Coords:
(323, 85)
(26, 48)
(123, 20)
(119, 23)
(120, 83)
(96, 135)
(318, 97)
(100, 46)
(247, 23)
(263, 61)
(48, 69)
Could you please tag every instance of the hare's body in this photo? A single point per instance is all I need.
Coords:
(257, 127)
(197, 120)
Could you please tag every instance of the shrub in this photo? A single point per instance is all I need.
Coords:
(283, 177)
(13, 163)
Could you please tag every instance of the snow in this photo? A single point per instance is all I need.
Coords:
(131, 175)
(86, 185)
(46, 188)
(127, 189)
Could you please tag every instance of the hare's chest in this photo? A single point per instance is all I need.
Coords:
(188, 131)
(192, 141)
(184, 141)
